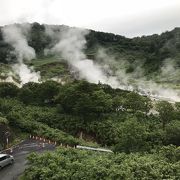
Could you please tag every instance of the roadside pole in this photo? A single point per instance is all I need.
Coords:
(7, 134)
(7, 142)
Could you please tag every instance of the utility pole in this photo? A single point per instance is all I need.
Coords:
(7, 134)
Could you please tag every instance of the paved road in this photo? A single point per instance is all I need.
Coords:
(20, 153)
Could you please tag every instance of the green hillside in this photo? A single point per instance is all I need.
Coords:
(149, 53)
(143, 133)
(145, 143)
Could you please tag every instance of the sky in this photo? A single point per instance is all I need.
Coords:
(125, 17)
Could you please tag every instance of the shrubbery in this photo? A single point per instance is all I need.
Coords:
(111, 117)
(119, 120)
(77, 164)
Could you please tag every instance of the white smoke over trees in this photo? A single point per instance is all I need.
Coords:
(70, 43)
(137, 81)
(13, 35)
(71, 47)
(170, 71)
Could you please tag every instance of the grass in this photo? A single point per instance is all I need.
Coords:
(50, 67)
(44, 60)
(18, 136)
(4, 70)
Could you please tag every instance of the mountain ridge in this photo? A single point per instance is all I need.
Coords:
(133, 61)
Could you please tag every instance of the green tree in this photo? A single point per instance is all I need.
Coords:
(173, 132)
(38, 39)
(166, 112)
(118, 104)
(177, 111)
(101, 102)
(28, 93)
(132, 137)
(83, 98)
(47, 91)
(136, 102)
(8, 90)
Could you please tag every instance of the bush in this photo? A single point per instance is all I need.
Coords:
(132, 137)
(80, 164)
(8, 90)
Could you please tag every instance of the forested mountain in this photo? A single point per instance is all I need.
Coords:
(69, 86)
(151, 53)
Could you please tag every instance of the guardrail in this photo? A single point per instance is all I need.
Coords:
(44, 140)
(94, 149)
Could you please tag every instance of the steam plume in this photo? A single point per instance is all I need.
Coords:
(13, 35)
(71, 45)
(137, 81)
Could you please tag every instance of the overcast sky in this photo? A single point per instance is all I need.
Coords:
(125, 17)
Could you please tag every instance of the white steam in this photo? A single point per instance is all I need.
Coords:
(71, 46)
(107, 69)
(13, 35)
(26, 74)
(169, 71)
(136, 80)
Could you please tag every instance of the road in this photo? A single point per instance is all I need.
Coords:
(20, 153)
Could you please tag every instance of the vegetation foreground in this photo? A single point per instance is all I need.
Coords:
(143, 134)
(78, 164)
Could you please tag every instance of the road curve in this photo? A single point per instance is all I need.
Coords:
(20, 153)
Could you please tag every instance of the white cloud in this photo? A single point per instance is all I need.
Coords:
(127, 17)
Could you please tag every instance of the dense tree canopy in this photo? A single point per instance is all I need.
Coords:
(112, 117)
(8, 90)
(166, 111)
(78, 164)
